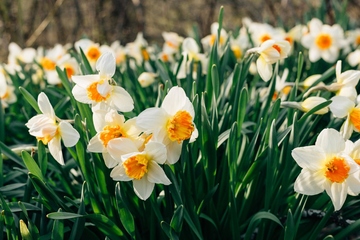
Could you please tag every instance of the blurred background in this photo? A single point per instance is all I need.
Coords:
(33, 23)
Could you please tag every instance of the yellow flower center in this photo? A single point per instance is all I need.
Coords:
(136, 166)
(110, 132)
(264, 37)
(357, 160)
(69, 71)
(5, 95)
(93, 53)
(277, 48)
(180, 126)
(337, 170)
(357, 41)
(172, 45)
(289, 39)
(47, 138)
(323, 41)
(145, 54)
(48, 64)
(93, 93)
(237, 52)
(355, 118)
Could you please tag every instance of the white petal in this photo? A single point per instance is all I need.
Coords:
(122, 100)
(69, 134)
(99, 119)
(314, 54)
(337, 192)
(96, 145)
(80, 94)
(85, 81)
(152, 119)
(309, 157)
(264, 69)
(173, 152)
(341, 106)
(175, 100)
(156, 174)
(55, 149)
(104, 88)
(157, 151)
(309, 183)
(331, 141)
(119, 174)
(143, 188)
(45, 106)
(110, 162)
(120, 146)
(106, 65)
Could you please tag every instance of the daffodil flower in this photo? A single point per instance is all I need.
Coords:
(325, 166)
(345, 83)
(100, 89)
(7, 92)
(307, 105)
(46, 127)
(111, 125)
(172, 123)
(323, 41)
(343, 107)
(140, 167)
(270, 52)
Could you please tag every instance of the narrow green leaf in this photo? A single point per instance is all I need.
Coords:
(255, 221)
(79, 225)
(57, 232)
(30, 99)
(126, 217)
(177, 219)
(63, 215)
(11, 155)
(2, 125)
(290, 232)
(31, 165)
(108, 227)
(169, 231)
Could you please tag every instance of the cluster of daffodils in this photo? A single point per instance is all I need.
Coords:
(136, 148)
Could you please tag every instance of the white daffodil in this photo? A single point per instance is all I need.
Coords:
(111, 125)
(172, 123)
(323, 41)
(345, 83)
(47, 128)
(140, 167)
(307, 105)
(326, 166)
(146, 79)
(270, 52)
(91, 50)
(7, 92)
(209, 40)
(239, 44)
(354, 58)
(100, 89)
(191, 53)
(343, 107)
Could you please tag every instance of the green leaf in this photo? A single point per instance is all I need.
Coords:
(30, 99)
(31, 165)
(255, 221)
(177, 219)
(78, 227)
(108, 227)
(11, 155)
(57, 232)
(169, 231)
(63, 215)
(126, 217)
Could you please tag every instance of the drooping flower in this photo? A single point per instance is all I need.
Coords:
(146, 79)
(326, 166)
(140, 167)
(270, 52)
(323, 41)
(345, 83)
(100, 89)
(110, 125)
(308, 104)
(172, 123)
(46, 127)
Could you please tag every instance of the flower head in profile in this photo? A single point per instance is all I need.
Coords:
(111, 125)
(100, 89)
(270, 52)
(140, 167)
(172, 123)
(7, 92)
(46, 127)
(323, 41)
(326, 166)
